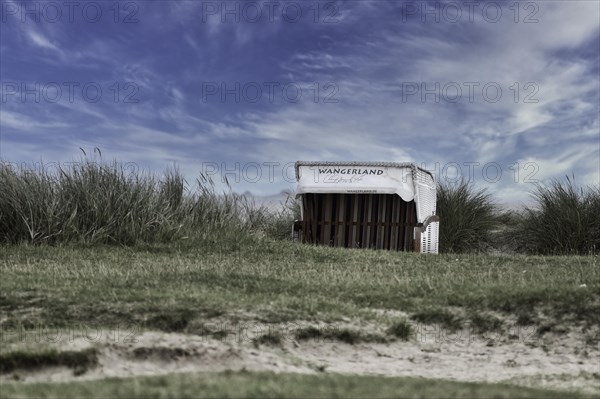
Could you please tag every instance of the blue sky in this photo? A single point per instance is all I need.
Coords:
(494, 88)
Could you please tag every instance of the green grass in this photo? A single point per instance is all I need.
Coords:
(346, 335)
(77, 360)
(176, 288)
(268, 385)
(270, 338)
(441, 316)
(485, 322)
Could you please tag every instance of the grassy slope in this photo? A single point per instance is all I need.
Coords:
(267, 385)
(168, 288)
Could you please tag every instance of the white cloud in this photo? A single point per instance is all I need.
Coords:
(25, 123)
(576, 158)
(41, 41)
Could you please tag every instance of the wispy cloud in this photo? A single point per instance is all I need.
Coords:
(23, 122)
(41, 41)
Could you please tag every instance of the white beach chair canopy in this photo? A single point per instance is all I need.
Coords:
(406, 180)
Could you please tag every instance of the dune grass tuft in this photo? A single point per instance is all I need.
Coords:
(105, 203)
(401, 329)
(468, 217)
(564, 220)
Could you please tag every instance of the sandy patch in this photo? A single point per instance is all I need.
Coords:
(556, 361)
